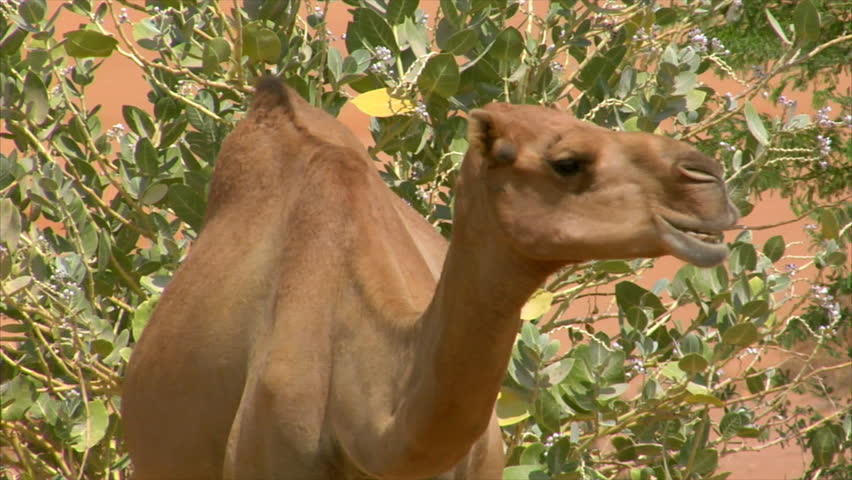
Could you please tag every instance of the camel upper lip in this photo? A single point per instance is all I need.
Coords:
(697, 243)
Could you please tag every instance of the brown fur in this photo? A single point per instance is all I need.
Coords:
(314, 334)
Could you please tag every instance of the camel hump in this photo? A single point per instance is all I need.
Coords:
(270, 92)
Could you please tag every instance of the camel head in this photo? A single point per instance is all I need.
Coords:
(562, 190)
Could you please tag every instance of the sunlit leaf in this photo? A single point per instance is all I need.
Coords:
(777, 27)
(379, 103)
(93, 427)
(755, 124)
(537, 306)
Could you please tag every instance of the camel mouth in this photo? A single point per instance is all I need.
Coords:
(698, 245)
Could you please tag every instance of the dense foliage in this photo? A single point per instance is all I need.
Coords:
(94, 218)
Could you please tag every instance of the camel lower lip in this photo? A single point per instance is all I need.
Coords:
(701, 248)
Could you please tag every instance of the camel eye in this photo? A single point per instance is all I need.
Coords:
(567, 167)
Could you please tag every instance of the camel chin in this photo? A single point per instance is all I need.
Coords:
(702, 247)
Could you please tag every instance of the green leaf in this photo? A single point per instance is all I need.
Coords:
(521, 472)
(755, 308)
(138, 121)
(17, 284)
(547, 412)
(508, 45)
(756, 382)
(695, 99)
(510, 408)
(373, 30)
(731, 423)
(334, 62)
(399, 9)
(774, 248)
(86, 43)
(187, 204)
(440, 76)
(614, 266)
(261, 44)
(693, 363)
(755, 124)
(532, 454)
(807, 21)
(18, 396)
(743, 258)
(462, 41)
(741, 334)
(556, 372)
(146, 157)
(32, 11)
(703, 399)
(10, 223)
(824, 445)
(216, 51)
(777, 27)
(35, 98)
(665, 16)
(537, 305)
(93, 428)
(142, 315)
(684, 83)
(706, 461)
(829, 226)
(154, 193)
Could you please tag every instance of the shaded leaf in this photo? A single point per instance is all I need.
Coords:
(10, 223)
(86, 43)
(399, 9)
(510, 408)
(741, 334)
(32, 11)
(187, 204)
(507, 45)
(261, 44)
(703, 399)
(774, 248)
(216, 51)
(462, 41)
(829, 226)
(35, 98)
(440, 76)
(693, 363)
(806, 18)
(731, 423)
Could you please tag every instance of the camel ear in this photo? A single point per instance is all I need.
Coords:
(484, 135)
(270, 93)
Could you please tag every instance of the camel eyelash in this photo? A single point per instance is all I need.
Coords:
(568, 166)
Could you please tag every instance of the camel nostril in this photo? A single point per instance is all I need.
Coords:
(698, 175)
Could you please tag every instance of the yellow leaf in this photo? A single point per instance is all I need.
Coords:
(379, 103)
(511, 409)
(537, 306)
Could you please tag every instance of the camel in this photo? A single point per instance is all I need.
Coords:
(321, 329)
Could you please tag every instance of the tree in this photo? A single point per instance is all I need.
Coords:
(94, 220)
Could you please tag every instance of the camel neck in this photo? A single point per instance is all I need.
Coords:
(464, 342)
